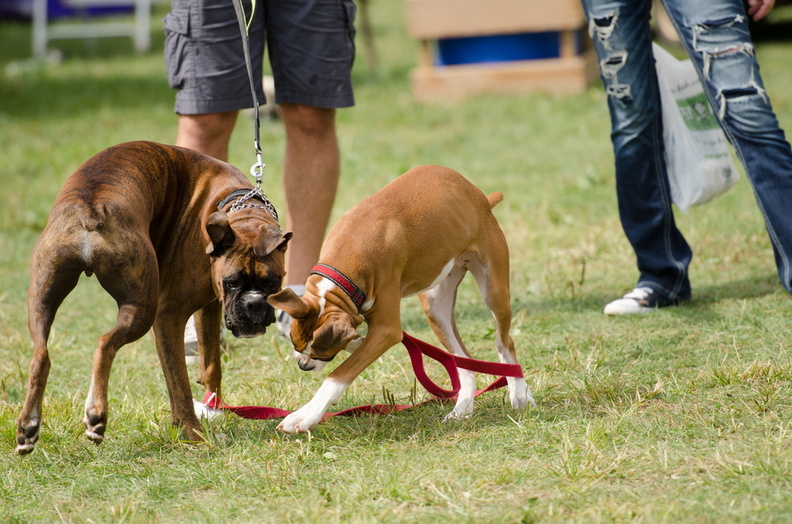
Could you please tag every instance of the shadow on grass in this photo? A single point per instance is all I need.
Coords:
(748, 288)
(703, 296)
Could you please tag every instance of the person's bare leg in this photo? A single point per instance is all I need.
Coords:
(311, 169)
(208, 133)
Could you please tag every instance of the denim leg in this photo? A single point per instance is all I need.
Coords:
(716, 36)
(622, 39)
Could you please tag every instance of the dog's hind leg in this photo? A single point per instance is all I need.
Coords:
(438, 303)
(49, 285)
(136, 295)
(492, 278)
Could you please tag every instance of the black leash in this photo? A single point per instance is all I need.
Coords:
(257, 169)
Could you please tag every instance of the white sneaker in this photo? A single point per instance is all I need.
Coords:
(282, 319)
(639, 300)
(191, 341)
(205, 412)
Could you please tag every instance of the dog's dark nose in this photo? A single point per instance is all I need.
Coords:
(254, 303)
(269, 315)
(306, 366)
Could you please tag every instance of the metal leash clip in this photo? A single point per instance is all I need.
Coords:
(257, 169)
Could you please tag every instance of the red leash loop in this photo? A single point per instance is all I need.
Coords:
(416, 349)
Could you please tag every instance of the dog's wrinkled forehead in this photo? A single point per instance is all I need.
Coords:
(240, 231)
(243, 270)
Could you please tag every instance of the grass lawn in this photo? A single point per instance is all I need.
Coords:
(683, 415)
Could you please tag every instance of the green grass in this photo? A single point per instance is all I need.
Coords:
(683, 415)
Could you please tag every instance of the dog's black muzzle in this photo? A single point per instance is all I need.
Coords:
(250, 315)
(253, 304)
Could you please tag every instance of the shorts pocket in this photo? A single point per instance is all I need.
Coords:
(176, 26)
(350, 12)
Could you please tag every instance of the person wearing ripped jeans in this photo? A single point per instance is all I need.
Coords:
(716, 37)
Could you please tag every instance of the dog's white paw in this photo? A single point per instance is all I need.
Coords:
(455, 415)
(520, 403)
(301, 421)
(520, 394)
(463, 409)
(311, 414)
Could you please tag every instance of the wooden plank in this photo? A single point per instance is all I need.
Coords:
(568, 44)
(425, 54)
(454, 83)
(432, 19)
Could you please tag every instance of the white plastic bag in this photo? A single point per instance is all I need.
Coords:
(700, 165)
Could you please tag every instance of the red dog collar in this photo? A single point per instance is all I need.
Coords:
(338, 278)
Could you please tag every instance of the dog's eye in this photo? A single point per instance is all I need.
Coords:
(232, 283)
(271, 284)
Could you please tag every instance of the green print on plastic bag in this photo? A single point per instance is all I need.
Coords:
(696, 113)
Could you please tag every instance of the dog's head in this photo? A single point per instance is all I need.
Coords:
(318, 333)
(247, 258)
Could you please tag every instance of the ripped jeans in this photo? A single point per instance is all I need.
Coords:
(716, 37)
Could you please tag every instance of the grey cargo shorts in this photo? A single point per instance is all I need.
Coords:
(310, 45)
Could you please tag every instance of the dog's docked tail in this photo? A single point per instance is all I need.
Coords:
(495, 198)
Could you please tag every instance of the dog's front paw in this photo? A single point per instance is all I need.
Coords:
(310, 415)
(521, 402)
(456, 415)
(301, 421)
(462, 409)
(520, 394)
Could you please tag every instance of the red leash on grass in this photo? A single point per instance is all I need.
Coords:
(416, 349)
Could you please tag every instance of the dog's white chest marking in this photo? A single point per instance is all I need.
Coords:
(324, 286)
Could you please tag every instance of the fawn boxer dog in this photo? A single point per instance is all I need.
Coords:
(167, 232)
(420, 234)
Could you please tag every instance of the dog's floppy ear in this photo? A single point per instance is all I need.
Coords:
(290, 302)
(334, 336)
(272, 239)
(220, 233)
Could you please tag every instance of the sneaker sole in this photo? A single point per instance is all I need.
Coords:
(626, 306)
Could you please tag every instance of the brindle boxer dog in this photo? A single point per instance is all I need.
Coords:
(168, 232)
